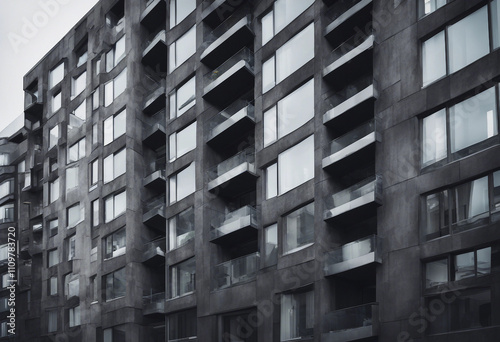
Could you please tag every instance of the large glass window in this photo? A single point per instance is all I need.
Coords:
(181, 228)
(433, 58)
(74, 215)
(289, 113)
(180, 9)
(297, 315)
(114, 206)
(495, 23)
(74, 316)
(182, 325)
(56, 75)
(289, 57)
(282, 14)
(53, 136)
(95, 213)
(115, 284)
(94, 173)
(115, 126)
(76, 151)
(115, 55)
(428, 6)
(114, 166)
(56, 101)
(53, 226)
(78, 84)
(71, 178)
(78, 116)
(182, 98)
(54, 190)
(52, 258)
(182, 184)
(52, 286)
(436, 273)
(182, 278)
(271, 244)
(298, 232)
(182, 142)
(7, 213)
(115, 334)
(115, 244)
(71, 285)
(51, 320)
(183, 48)
(467, 123)
(115, 88)
(7, 188)
(300, 158)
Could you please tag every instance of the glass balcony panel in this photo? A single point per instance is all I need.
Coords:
(237, 225)
(352, 47)
(243, 55)
(246, 156)
(231, 122)
(154, 303)
(236, 271)
(351, 323)
(350, 138)
(154, 250)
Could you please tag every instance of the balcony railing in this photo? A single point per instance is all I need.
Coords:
(155, 50)
(243, 55)
(154, 213)
(154, 14)
(222, 29)
(155, 203)
(154, 250)
(153, 133)
(154, 89)
(349, 138)
(236, 226)
(351, 324)
(354, 254)
(341, 13)
(339, 8)
(368, 191)
(236, 271)
(154, 303)
(245, 157)
(352, 47)
(233, 121)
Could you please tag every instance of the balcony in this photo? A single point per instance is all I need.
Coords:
(156, 98)
(359, 256)
(154, 252)
(153, 132)
(229, 37)
(155, 52)
(217, 11)
(154, 15)
(353, 104)
(235, 175)
(351, 59)
(234, 227)
(344, 15)
(230, 124)
(153, 304)
(236, 271)
(36, 248)
(353, 149)
(359, 200)
(34, 108)
(154, 214)
(156, 178)
(230, 80)
(351, 324)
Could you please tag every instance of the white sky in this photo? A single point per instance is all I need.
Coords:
(28, 30)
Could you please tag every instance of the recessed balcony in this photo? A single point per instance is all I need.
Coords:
(235, 175)
(343, 16)
(155, 14)
(153, 304)
(156, 177)
(154, 214)
(229, 37)
(236, 271)
(217, 11)
(231, 79)
(33, 109)
(230, 228)
(358, 256)
(155, 52)
(230, 124)
(359, 200)
(353, 149)
(156, 98)
(351, 59)
(153, 131)
(154, 252)
(351, 324)
(351, 105)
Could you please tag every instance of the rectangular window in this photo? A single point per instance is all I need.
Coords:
(52, 258)
(78, 116)
(3, 304)
(182, 325)
(298, 232)
(95, 213)
(95, 134)
(56, 75)
(114, 206)
(115, 284)
(289, 113)
(300, 158)
(53, 136)
(74, 316)
(282, 14)
(71, 178)
(72, 247)
(52, 320)
(94, 173)
(183, 48)
(271, 245)
(182, 141)
(115, 126)
(56, 101)
(7, 188)
(94, 289)
(182, 184)
(53, 226)
(297, 315)
(436, 273)
(181, 228)
(495, 23)
(95, 99)
(7, 213)
(467, 123)
(114, 166)
(76, 151)
(54, 191)
(180, 9)
(74, 215)
(115, 88)
(52, 286)
(115, 244)
(289, 57)
(183, 98)
(71, 285)
(115, 55)
(428, 6)
(182, 278)
(115, 334)
(82, 54)
(78, 84)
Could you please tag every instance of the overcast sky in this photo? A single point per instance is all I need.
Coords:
(28, 30)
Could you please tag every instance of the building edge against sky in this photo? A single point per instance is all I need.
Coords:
(259, 171)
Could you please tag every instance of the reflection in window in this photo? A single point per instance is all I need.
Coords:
(271, 244)
(115, 55)
(115, 284)
(299, 229)
(182, 278)
(183, 48)
(180, 9)
(115, 87)
(114, 206)
(71, 178)
(182, 141)
(76, 151)
(114, 166)
(182, 184)
(115, 126)
(78, 84)
(428, 6)
(182, 98)
(115, 244)
(181, 228)
(297, 315)
(74, 215)
(436, 273)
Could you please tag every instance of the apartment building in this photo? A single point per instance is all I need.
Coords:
(262, 170)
